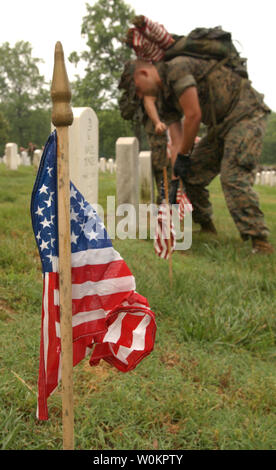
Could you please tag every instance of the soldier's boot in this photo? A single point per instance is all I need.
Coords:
(208, 227)
(261, 246)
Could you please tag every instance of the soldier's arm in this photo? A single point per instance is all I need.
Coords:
(176, 136)
(190, 106)
(149, 104)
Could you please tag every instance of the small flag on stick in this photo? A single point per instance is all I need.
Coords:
(184, 204)
(165, 239)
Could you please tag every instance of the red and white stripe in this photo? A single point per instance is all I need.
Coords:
(164, 231)
(150, 41)
(157, 33)
(185, 205)
(107, 314)
(144, 48)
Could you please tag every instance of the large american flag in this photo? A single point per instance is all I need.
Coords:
(110, 320)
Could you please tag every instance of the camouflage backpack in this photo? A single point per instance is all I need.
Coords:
(129, 105)
(209, 43)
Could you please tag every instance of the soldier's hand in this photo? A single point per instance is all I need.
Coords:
(173, 191)
(138, 21)
(160, 128)
(181, 166)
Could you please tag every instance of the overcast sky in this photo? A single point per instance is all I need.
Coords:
(251, 22)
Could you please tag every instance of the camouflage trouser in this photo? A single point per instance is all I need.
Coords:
(235, 157)
(158, 146)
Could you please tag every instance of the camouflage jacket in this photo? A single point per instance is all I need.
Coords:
(224, 96)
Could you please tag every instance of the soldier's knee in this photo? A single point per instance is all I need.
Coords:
(228, 180)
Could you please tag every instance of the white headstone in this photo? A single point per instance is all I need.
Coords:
(271, 178)
(262, 178)
(266, 177)
(37, 158)
(127, 173)
(102, 164)
(146, 177)
(110, 164)
(258, 178)
(11, 156)
(83, 152)
(26, 161)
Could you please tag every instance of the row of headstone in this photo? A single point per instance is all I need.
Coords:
(134, 178)
(13, 159)
(134, 173)
(85, 164)
(83, 153)
(266, 178)
(107, 165)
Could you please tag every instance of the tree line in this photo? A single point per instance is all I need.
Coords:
(25, 104)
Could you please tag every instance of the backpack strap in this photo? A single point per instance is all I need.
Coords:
(207, 74)
(213, 67)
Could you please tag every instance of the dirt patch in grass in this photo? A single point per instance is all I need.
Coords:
(102, 370)
(6, 312)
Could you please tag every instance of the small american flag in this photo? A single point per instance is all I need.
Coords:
(164, 230)
(110, 320)
(150, 41)
(144, 48)
(184, 204)
(157, 33)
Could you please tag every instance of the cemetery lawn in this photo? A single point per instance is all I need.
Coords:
(210, 382)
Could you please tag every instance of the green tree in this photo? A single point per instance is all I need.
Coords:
(4, 133)
(111, 127)
(21, 90)
(104, 27)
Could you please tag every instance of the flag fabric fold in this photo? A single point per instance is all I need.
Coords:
(164, 231)
(150, 40)
(157, 33)
(184, 204)
(145, 48)
(164, 228)
(110, 320)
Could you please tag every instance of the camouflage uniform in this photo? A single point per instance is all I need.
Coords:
(235, 116)
(132, 108)
(158, 146)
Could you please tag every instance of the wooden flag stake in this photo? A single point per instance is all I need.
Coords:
(62, 117)
(168, 222)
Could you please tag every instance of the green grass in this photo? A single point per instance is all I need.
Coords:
(210, 382)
